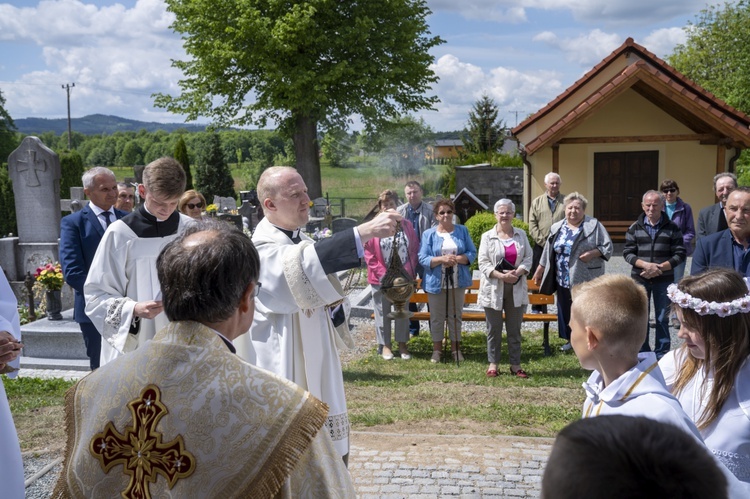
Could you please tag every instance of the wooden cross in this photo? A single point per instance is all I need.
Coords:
(33, 165)
(140, 449)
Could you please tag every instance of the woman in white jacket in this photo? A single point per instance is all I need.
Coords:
(504, 289)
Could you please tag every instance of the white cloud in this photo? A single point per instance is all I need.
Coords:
(461, 84)
(663, 41)
(504, 11)
(585, 50)
(610, 12)
(117, 58)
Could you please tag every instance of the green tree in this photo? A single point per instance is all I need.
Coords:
(212, 176)
(336, 147)
(131, 155)
(8, 137)
(181, 155)
(71, 171)
(302, 64)
(485, 133)
(716, 54)
(403, 143)
(8, 224)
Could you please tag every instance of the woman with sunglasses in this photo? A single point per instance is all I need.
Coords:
(192, 204)
(445, 253)
(681, 214)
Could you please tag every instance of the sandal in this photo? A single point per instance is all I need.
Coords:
(492, 373)
(519, 374)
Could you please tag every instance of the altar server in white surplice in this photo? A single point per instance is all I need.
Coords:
(209, 424)
(122, 290)
(11, 466)
(294, 333)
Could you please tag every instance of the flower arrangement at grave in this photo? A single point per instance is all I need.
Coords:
(50, 276)
(211, 209)
(322, 233)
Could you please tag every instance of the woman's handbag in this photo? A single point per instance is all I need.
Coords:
(549, 281)
(505, 266)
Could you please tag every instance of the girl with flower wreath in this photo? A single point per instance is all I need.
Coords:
(710, 372)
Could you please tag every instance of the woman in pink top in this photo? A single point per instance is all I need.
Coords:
(378, 258)
(504, 289)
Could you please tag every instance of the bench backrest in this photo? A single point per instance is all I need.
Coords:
(472, 292)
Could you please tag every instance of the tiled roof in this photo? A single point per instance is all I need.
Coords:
(659, 77)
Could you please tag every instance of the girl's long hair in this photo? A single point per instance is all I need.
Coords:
(727, 339)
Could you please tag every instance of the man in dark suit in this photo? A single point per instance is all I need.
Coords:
(80, 234)
(711, 219)
(729, 248)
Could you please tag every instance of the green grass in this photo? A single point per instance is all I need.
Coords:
(28, 394)
(450, 398)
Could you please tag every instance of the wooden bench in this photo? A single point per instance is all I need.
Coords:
(472, 293)
(617, 229)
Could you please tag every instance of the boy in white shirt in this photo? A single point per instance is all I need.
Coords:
(608, 327)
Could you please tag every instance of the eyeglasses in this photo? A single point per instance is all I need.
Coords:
(669, 191)
(256, 291)
(193, 206)
(445, 213)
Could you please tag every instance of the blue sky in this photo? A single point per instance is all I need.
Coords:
(522, 53)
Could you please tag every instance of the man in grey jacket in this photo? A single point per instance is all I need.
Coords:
(422, 218)
(545, 210)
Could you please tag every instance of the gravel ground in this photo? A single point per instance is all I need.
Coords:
(363, 333)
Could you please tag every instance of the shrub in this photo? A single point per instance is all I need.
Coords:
(484, 221)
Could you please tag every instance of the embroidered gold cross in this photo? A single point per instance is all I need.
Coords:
(140, 449)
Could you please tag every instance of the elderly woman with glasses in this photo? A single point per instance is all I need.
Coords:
(504, 260)
(679, 212)
(576, 250)
(445, 253)
(192, 204)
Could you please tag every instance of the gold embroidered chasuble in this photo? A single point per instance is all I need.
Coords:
(182, 416)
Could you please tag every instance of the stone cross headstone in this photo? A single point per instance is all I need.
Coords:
(225, 204)
(35, 172)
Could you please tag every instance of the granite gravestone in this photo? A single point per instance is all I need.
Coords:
(35, 172)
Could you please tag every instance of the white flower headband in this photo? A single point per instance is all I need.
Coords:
(703, 307)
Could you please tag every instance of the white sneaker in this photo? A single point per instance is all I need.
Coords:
(405, 356)
(435, 356)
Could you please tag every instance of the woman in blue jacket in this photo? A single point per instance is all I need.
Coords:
(445, 253)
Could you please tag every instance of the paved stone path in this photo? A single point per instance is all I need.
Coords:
(415, 466)
(422, 466)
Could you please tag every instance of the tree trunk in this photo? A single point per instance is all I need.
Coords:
(306, 149)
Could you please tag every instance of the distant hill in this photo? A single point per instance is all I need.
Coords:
(96, 124)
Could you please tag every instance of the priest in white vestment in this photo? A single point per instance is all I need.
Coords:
(11, 466)
(121, 290)
(294, 333)
(208, 423)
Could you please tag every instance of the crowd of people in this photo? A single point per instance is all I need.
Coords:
(220, 353)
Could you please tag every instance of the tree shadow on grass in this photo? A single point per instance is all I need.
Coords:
(369, 377)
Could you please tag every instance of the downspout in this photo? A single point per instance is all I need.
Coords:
(734, 159)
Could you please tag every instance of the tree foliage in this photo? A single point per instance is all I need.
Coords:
(8, 138)
(485, 133)
(336, 147)
(716, 54)
(71, 171)
(212, 175)
(301, 64)
(8, 224)
(402, 144)
(181, 155)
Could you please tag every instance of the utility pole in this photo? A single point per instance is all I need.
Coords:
(516, 114)
(67, 88)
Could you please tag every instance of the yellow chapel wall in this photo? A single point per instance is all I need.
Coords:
(690, 164)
